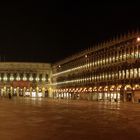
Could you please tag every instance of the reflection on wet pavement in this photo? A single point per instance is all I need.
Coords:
(46, 119)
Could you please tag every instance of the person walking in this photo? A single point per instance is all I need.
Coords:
(9, 94)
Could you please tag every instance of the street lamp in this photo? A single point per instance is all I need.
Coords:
(138, 39)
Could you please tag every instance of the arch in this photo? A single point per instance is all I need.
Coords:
(136, 87)
(80, 89)
(63, 89)
(73, 89)
(119, 87)
(69, 89)
(128, 87)
(106, 88)
(90, 89)
(84, 90)
(113, 87)
(100, 88)
(95, 89)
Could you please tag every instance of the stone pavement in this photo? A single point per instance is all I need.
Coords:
(46, 119)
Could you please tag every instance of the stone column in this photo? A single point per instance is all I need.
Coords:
(37, 90)
(24, 90)
(72, 96)
(17, 90)
(11, 91)
(133, 94)
(124, 96)
(43, 92)
(30, 91)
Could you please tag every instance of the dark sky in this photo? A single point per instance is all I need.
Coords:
(50, 32)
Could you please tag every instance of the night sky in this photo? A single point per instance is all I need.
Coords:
(52, 31)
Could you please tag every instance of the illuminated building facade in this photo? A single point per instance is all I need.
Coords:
(109, 71)
(25, 79)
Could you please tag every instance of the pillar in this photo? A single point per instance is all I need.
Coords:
(124, 96)
(43, 92)
(11, 91)
(133, 97)
(17, 90)
(24, 90)
(30, 91)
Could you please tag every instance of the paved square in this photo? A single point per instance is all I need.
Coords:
(45, 119)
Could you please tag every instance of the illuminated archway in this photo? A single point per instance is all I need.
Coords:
(119, 87)
(84, 89)
(106, 88)
(100, 88)
(90, 89)
(136, 87)
(95, 89)
(112, 88)
(128, 87)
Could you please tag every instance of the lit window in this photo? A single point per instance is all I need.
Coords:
(24, 78)
(43, 79)
(11, 78)
(37, 79)
(31, 78)
(18, 78)
(5, 78)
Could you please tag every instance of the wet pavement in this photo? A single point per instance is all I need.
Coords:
(46, 119)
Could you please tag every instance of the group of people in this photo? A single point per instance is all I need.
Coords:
(9, 95)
